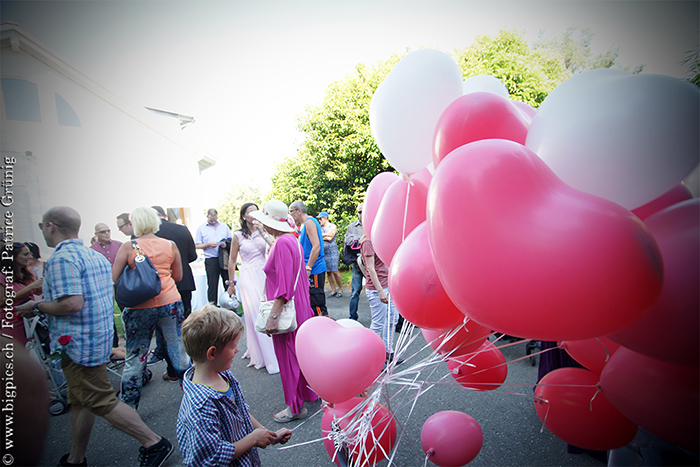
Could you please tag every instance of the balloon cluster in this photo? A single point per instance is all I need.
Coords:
(568, 223)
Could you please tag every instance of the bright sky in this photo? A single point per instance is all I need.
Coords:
(247, 69)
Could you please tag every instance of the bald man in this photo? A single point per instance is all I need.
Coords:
(78, 302)
(104, 244)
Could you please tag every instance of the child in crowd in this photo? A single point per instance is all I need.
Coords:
(214, 426)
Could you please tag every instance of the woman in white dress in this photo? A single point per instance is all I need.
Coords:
(251, 242)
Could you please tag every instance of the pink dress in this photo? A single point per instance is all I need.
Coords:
(283, 264)
(251, 280)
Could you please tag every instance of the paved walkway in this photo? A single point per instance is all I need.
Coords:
(513, 434)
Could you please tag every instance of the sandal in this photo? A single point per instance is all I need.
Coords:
(286, 415)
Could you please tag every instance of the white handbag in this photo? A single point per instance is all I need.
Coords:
(287, 321)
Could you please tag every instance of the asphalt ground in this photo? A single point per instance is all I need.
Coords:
(513, 434)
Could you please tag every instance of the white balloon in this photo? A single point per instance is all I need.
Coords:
(627, 138)
(485, 83)
(407, 105)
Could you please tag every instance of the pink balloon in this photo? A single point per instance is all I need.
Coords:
(673, 196)
(527, 110)
(523, 253)
(378, 443)
(592, 353)
(451, 438)
(461, 340)
(670, 329)
(338, 362)
(483, 370)
(476, 116)
(373, 198)
(571, 407)
(402, 210)
(415, 287)
(658, 396)
(424, 176)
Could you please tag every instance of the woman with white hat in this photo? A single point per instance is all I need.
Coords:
(285, 268)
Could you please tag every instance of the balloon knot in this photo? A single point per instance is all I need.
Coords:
(561, 345)
(406, 177)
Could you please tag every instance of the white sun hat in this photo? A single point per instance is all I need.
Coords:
(274, 215)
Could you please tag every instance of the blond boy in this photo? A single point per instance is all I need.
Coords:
(214, 426)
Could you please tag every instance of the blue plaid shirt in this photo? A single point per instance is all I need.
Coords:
(210, 422)
(74, 269)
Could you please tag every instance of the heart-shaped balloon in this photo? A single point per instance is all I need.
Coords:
(670, 329)
(661, 397)
(483, 370)
(451, 438)
(373, 198)
(591, 353)
(485, 83)
(338, 362)
(523, 253)
(458, 340)
(476, 116)
(370, 449)
(402, 210)
(673, 196)
(570, 406)
(407, 104)
(415, 286)
(628, 138)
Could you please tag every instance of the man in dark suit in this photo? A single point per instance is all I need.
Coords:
(182, 238)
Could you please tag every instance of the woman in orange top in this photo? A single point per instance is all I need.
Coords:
(164, 310)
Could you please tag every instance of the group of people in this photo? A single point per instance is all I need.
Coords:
(198, 346)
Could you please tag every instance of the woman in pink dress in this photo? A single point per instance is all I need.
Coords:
(285, 268)
(251, 242)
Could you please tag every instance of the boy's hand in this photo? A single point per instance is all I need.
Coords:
(282, 436)
(262, 437)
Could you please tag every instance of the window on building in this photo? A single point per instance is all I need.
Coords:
(21, 99)
(66, 114)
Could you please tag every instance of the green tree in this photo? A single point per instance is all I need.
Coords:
(339, 156)
(528, 75)
(574, 52)
(230, 204)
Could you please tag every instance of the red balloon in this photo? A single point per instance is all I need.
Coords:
(402, 210)
(570, 405)
(378, 443)
(451, 438)
(476, 116)
(373, 198)
(592, 353)
(670, 329)
(483, 370)
(658, 396)
(675, 195)
(415, 287)
(457, 340)
(525, 254)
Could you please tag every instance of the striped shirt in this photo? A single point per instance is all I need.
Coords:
(210, 421)
(74, 269)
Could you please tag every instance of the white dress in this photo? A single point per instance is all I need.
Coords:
(251, 282)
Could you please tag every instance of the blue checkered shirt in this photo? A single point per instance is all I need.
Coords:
(210, 422)
(74, 269)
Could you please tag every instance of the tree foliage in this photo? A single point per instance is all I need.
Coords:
(230, 204)
(339, 156)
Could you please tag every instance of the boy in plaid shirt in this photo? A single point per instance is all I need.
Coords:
(214, 426)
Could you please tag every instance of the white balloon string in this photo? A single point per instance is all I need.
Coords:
(405, 212)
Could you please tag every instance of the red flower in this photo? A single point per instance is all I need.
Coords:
(65, 339)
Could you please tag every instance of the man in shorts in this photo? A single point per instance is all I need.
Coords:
(78, 302)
